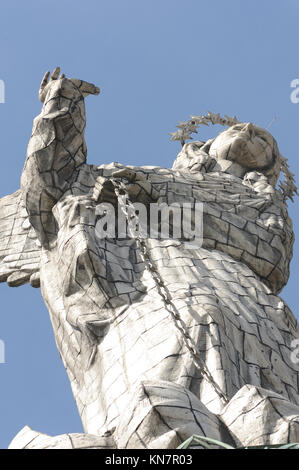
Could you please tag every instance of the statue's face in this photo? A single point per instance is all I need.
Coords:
(249, 145)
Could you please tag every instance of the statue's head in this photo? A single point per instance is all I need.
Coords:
(251, 147)
(247, 146)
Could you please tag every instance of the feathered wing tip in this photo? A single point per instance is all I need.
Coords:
(19, 247)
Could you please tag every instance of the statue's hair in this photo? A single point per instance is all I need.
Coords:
(287, 187)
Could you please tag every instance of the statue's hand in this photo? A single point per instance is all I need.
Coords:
(84, 87)
(139, 189)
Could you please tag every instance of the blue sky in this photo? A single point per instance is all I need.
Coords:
(156, 62)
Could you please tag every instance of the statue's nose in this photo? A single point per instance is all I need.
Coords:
(249, 130)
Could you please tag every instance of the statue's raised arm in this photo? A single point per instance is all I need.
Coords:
(56, 149)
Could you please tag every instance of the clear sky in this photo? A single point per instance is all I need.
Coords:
(156, 62)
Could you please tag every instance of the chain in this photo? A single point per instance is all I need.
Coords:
(129, 211)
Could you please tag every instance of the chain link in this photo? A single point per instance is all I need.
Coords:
(129, 211)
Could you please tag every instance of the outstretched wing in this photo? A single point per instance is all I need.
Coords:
(19, 250)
